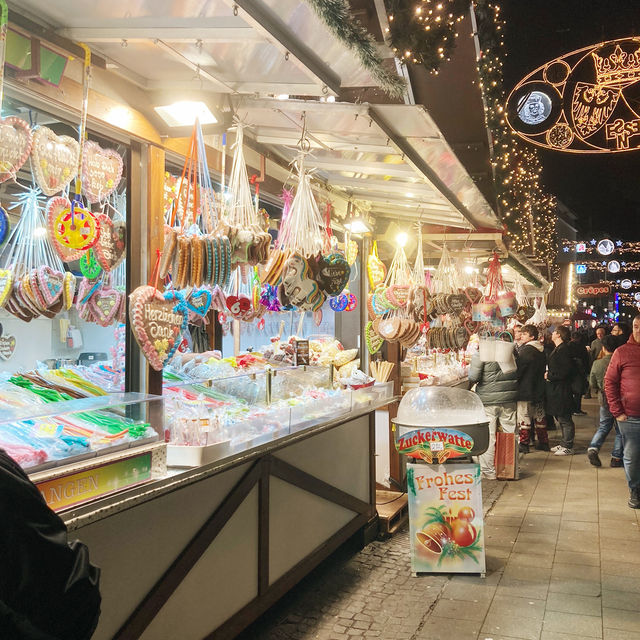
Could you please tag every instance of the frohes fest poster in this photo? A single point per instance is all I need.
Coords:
(446, 524)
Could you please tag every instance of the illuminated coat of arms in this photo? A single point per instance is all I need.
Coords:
(587, 101)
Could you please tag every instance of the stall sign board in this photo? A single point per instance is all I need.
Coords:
(434, 445)
(581, 268)
(75, 488)
(593, 290)
(302, 353)
(446, 525)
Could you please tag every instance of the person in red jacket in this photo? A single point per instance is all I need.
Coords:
(622, 388)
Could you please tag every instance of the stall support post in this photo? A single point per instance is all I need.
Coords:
(155, 231)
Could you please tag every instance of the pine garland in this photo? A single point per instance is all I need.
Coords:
(337, 15)
(425, 32)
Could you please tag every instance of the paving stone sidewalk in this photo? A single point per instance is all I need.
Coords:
(563, 563)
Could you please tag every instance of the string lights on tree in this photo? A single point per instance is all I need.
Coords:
(424, 32)
(527, 210)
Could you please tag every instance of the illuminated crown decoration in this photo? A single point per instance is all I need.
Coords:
(619, 69)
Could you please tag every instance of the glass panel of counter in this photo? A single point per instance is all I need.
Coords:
(207, 420)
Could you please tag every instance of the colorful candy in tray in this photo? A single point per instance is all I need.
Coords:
(33, 442)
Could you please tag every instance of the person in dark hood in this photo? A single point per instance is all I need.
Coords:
(530, 407)
(579, 382)
(558, 394)
(48, 588)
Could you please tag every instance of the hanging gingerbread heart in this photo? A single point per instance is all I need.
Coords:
(199, 302)
(157, 324)
(333, 274)
(111, 246)
(105, 304)
(7, 346)
(68, 289)
(76, 228)
(375, 267)
(6, 285)
(238, 306)
(55, 160)
(101, 171)
(16, 140)
(50, 284)
(4, 225)
(373, 340)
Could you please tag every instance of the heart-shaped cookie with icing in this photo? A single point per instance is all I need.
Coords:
(105, 304)
(157, 324)
(16, 140)
(6, 284)
(101, 171)
(55, 160)
(333, 274)
(373, 340)
(199, 302)
(7, 346)
(111, 247)
(50, 284)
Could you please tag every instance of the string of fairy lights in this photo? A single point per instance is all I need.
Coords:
(425, 32)
(591, 246)
(528, 211)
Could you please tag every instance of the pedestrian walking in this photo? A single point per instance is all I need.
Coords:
(558, 394)
(621, 331)
(498, 392)
(596, 345)
(579, 381)
(622, 388)
(530, 400)
(607, 421)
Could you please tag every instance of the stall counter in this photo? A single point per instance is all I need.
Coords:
(202, 553)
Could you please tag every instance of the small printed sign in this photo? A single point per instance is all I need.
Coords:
(445, 518)
(434, 445)
(76, 488)
(302, 353)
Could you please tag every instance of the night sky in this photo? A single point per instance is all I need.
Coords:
(603, 190)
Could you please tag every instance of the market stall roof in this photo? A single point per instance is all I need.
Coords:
(390, 160)
(223, 46)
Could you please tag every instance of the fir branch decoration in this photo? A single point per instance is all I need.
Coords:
(336, 14)
(425, 32)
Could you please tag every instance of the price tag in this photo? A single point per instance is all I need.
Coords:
(436, 446)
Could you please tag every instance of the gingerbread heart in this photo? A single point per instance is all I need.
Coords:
(55, 207)
(50, 284)
(6, 284)
(238, 306)
(112, 243)
(105, 304)
(333, 274)
(55, 160)
(101, 171)
(473, 294)
(157, 324)
(373, 340)
(68, 289)
(16, 140)
(199, 302)
(7, 346)
(389, 328)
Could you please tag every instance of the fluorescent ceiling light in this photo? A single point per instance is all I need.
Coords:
(182, 114)
(358, 225)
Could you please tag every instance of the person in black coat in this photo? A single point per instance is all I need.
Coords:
(48, 588)
(580, 380)
(558, 393)
(532, 363)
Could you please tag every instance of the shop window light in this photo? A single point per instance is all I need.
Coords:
(182, 114)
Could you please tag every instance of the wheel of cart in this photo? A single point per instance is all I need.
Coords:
(439, 429)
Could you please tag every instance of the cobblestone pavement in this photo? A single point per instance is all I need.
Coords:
(563, 563)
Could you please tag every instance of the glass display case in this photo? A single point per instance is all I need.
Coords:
(209, 419)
